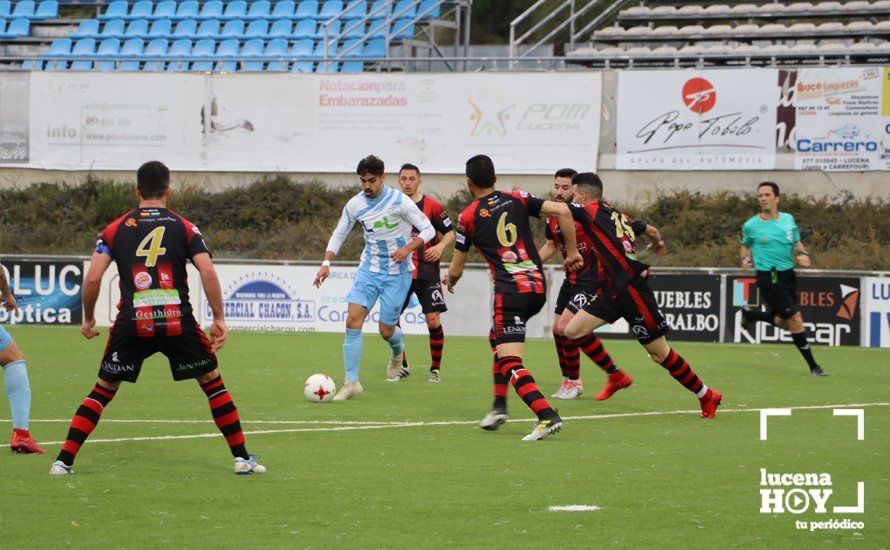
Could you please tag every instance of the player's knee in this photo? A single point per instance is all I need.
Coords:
(573, 331)
(207, 376)
(387, 331)
(11, 354)
(354, 321)
(432, 320)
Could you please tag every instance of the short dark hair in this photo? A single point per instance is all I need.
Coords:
(152, 180)
(565, 173)
(409, 166)
(771, 184)
(370, 165)
(480, 170)
(589, 182)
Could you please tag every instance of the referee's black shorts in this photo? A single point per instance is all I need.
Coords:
(779, 292)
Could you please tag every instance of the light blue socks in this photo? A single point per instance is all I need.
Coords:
(352, 353)
(397, 343)
(18, 389)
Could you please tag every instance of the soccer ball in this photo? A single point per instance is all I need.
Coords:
(319, 388)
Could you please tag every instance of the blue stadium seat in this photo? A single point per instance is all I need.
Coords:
(302, 67)
(429, 9)
(319, 51)
(376, 48)
(58, 48)
(355, 44)
(3, 28)
(276, 47)
(32, 65)
(211, 10)
(257, 28)
(161, 28)
(180, 49)
(259, 9)
(116, 10)
(307, 8)
(207, 29)
(281, 29)
(16, 28)
(253, 51)
(330, 9)
(204, 48)
(131, 48)
(354, 29)
(352, 67)
(402, 29)
(276, 66)
(157, 48)
(165, 10)
(109, 47)
(333, 30)
(237, 9)
(88, 28)
(227, 48)
(141, 10)
(284, 9)
(301, 48)
(233, 29)
(304, 29)
(327, 68)
(355, 9)
(112, 28)
(137, 29)
(378, 9)
(23, 8)
(377, 29)
(187, 10)
(48, 9)
(404, 8)
(186, 28)
(5, 6)
(85, 47)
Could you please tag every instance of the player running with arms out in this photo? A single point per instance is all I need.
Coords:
(15, 377)
(387, 217)
(624, 292)
(497, 223)
(150, 246)
(426, 280)
(771, 244)
(578, 289)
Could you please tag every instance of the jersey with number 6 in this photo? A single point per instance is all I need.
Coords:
(498, 225)
(150, 247)
(614, 243)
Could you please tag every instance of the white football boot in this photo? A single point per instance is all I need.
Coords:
(395, 371)
(348, 390)
(244, 467)
(494, 419)
(59, 468)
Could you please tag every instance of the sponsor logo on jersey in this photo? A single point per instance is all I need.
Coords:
(142, 280)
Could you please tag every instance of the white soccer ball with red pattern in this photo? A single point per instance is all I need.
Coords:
(319, 388)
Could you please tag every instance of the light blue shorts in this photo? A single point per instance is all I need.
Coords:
(6, 339)
(390, 289)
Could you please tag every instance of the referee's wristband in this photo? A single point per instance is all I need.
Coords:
(326, 263)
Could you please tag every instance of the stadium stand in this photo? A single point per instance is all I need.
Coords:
(657, 33)
(234, 35)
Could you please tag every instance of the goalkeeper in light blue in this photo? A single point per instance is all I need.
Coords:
(388, 218)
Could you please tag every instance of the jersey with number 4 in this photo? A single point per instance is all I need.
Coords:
(150, 247)
(498, 225)
(614, 243)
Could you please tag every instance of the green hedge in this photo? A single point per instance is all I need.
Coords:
(277, 218)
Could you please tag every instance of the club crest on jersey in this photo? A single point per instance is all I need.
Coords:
(485, 213)
(142, 280)
(131, 222)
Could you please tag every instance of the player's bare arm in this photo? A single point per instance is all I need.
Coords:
(426, 232)
(91, 283)
(344, 226)
(656, 241)
(547, 250)
(745, 254)
(434, 254)
(325, 270)
(801, 254)
(400, 254)
(561, 212)
(455, 270)
(213, 292)
(6, 296)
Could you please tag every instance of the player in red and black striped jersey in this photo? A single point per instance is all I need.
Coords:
(578, 289)
(497, 224)
(426, 281)
(151, 246)
(623, 290)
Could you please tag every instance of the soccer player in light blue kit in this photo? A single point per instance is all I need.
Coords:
(387, 217)
(15, 376)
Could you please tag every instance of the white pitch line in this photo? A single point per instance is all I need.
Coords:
(574, 508)
(409, 424)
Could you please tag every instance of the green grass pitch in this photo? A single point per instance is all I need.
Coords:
(404, 465)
